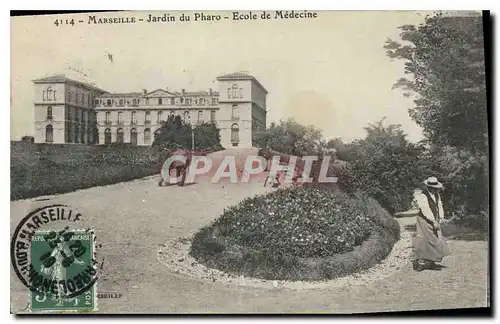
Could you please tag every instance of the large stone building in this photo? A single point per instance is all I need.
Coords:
(68, 111)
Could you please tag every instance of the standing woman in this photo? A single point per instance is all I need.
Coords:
(430, 246)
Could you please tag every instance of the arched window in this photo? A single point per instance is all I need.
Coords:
(133, 136)
(134, 118)
(235, 89)
(119, 136)
(147, 136)
(120, 118)
(200, 116)
(49, 134)
(235, 113)
(235, 134)
(108, 102)
(147, 117)
(108, 118)
(107, 136)
(49, 112)
(48, 94)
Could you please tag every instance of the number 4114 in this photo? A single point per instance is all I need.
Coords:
(58, 22)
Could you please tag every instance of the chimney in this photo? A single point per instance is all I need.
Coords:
(144, 91)
(183, 91)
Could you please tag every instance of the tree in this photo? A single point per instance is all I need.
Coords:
(175, 133)
(386, 166)
(445, 64)
(291, 137)
(27, 138)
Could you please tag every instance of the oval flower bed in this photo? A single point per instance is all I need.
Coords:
(297, 234)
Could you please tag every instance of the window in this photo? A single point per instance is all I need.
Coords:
(133, 118)
(119, 136)
(84, 116)
(212, 116)
(135, 102)
(49, 94)
(188, 101)
(235, 134)
(235, 112)
(186, 116)
(200, 116)
(77, 97)
(147, 136)
(69, 96)
(83, 98)
(121, 102)
(147, 101)
(172, 101)
(172, 113)
(201, 102)
(120, 118)
(160, 101)
(77, 135)
(214, 101)
(147, 117)
(241, 92)
(49, 134)
(108, 102)
(107, 136)
(108, 117)
(68, 138)
(49, 112)
(235, 89)
(182, 100)
(158, 120)
(96, 102)
(133, 136)
(82, 135)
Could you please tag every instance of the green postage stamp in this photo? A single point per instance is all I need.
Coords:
(62, 275)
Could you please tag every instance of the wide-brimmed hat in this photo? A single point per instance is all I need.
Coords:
(433, 183)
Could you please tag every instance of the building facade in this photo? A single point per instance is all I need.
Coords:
(81, 113)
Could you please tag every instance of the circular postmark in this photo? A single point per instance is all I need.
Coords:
(52, 256)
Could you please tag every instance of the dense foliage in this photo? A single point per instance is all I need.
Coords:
(175, 133)
(386, 166)
(290, 137)
(445, 61)
(446, 68)
(47, 169)
(297, 234)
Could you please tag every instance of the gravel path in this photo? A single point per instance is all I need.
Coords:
(134, 220)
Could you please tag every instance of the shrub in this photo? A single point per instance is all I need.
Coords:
(465, 178)
(386, 166)
(297, 234)
(39, 169)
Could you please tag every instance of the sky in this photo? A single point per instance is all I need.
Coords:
(331, 72)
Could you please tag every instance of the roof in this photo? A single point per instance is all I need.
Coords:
(61, 78)
(121, 95)
(240, 76)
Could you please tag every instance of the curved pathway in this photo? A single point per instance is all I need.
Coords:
(133, 219)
